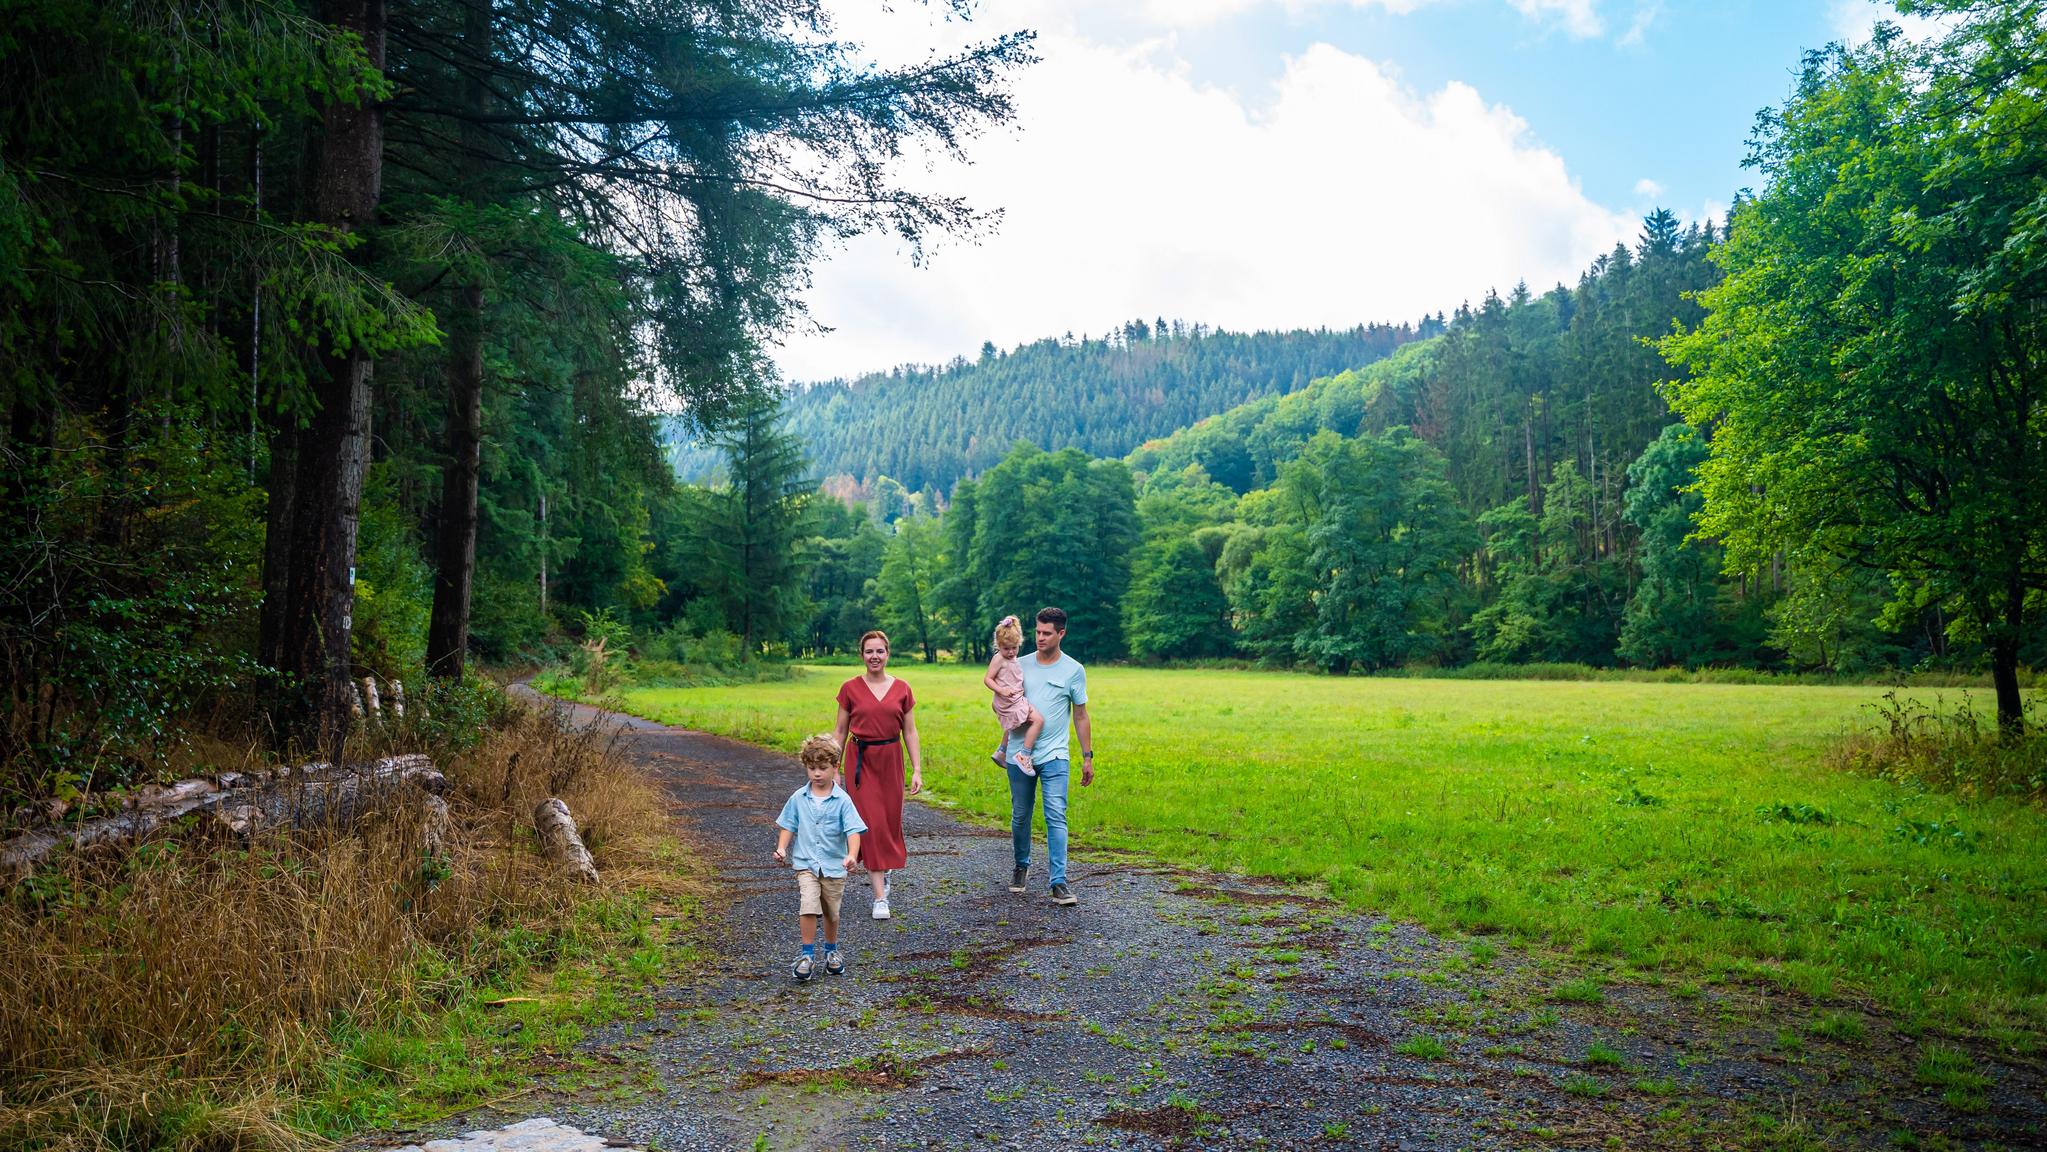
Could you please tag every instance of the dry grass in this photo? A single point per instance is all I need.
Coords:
(180, 997)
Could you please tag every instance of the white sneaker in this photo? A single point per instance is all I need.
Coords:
(881, 909)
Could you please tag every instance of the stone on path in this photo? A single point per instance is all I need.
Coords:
(540, 1134)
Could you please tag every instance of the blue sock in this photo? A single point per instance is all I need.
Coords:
(830, 946)
(810, 950)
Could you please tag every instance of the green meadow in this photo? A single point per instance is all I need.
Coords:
(1680, 831)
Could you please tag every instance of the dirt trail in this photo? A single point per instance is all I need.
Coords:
(1170, 1009)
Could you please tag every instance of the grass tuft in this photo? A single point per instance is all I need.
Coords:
(1583, 990)
(1603, 1056)
(1951, 1071)
(1422, 1046)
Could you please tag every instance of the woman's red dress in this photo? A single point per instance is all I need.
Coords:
(873, 776)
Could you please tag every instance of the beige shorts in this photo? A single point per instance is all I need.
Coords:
(820, 895)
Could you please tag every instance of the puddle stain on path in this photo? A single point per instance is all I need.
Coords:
(1172, 1010)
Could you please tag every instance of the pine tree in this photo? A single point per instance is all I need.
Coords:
(754, 540)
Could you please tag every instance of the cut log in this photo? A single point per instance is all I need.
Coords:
(369, 696)
(306, 796)
(398, 699)
(559, 840)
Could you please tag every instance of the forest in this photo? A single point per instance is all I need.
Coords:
(358, 339)
(337, 336)
(929, 428)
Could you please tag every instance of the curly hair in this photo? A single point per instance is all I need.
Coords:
(1008, 631)
(819, 749)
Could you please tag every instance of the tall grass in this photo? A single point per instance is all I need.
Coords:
(1948, 746)
(185, 996)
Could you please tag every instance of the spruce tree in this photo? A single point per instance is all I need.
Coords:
(754, 537)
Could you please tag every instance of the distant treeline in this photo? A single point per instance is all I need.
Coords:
(1513, 491)
(930, 427)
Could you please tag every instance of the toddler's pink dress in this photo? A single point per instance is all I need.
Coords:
(1011, 708)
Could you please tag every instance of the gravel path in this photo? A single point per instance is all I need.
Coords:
(1168, 1009)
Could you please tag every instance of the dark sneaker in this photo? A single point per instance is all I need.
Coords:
(1061, 894)
(834, 964)
(802, 968)
(1017, 878)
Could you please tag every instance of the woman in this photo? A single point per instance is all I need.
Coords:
(875, 708)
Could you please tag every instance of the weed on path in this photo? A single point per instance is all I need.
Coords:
(1183, 1010)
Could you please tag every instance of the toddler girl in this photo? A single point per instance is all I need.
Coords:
(1005, 680)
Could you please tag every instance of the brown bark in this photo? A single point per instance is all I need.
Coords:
(333, 447)
(2004, 663)
(447, 639)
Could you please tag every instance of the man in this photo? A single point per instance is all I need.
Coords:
(1056, 685)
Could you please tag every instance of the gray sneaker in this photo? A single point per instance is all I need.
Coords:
(1061, 894)
(1017, 878)
(802, 968)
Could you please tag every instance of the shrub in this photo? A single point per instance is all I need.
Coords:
(1948, 748)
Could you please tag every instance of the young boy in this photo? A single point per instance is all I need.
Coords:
(821, 820)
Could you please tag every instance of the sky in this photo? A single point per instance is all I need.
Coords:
(1300, 163)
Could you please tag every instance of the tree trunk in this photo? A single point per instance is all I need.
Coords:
(333, 447)
(284, 463)
(302, 797)
(447, 638)
(2004, 664)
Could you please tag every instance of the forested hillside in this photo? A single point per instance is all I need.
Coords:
(1467, 498)
(926, 428)
(1521, 383)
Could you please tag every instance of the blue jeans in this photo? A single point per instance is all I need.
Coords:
(1022, 789)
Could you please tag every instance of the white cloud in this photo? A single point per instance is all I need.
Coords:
(1638, 28)
(1194, 13)
(1648, 189)
(1130, 189)
(1579, 17)
(1853, 21)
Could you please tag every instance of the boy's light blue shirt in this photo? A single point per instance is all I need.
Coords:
(1054, 689)
(821, 827)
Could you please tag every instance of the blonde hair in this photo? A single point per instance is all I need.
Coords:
(819, 749)
(877, 634)
(1008, 632)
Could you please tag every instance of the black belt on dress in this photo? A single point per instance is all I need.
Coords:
(860, 748)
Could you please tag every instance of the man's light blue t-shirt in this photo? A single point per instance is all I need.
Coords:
(1054, 690)
(821, 827)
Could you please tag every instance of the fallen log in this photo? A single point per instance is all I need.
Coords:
(243, 802)
(559, 840)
